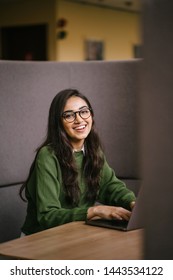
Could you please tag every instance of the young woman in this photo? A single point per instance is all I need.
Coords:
(70, 173)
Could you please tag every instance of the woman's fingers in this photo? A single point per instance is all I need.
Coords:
(121, 214)
(108, 212)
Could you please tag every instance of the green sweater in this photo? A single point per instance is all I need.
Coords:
(47, 206)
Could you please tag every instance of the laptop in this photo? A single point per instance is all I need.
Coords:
(135, 221)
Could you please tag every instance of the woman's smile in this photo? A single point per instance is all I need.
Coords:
(80, 128)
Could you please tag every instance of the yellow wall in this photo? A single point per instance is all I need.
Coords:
(119, 30)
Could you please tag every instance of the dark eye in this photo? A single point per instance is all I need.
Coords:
(85, 113)
(69, 115)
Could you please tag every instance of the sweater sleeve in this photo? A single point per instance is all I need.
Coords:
(114, 191)
(50, 211)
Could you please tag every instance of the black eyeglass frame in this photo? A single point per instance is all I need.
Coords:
(76, 112)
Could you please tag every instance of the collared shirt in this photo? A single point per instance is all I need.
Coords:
(81, 150)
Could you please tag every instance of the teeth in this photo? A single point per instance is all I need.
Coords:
(80, 127)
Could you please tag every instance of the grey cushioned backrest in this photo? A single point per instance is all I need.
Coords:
(27, 89)
(12, 213)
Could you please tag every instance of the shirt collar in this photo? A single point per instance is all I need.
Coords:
(82, 150)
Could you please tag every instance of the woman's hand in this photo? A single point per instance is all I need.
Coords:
(108, 212)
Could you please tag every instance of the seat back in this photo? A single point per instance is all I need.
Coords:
(12, 213)
(27, 89)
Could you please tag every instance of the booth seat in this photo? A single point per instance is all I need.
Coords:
(26, 91)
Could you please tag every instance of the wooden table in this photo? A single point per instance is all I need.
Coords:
(76, 241)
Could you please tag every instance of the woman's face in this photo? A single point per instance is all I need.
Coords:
(79, 128)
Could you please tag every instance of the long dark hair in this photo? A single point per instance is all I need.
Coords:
(58, 141)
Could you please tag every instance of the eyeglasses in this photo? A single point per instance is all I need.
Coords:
(70, 116)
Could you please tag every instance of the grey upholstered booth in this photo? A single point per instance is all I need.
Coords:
(26, 91)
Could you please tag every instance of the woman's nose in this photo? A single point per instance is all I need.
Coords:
(78, 118)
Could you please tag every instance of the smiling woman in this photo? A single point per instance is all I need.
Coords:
(70, 173)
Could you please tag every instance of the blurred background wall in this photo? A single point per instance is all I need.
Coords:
(65, 30)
